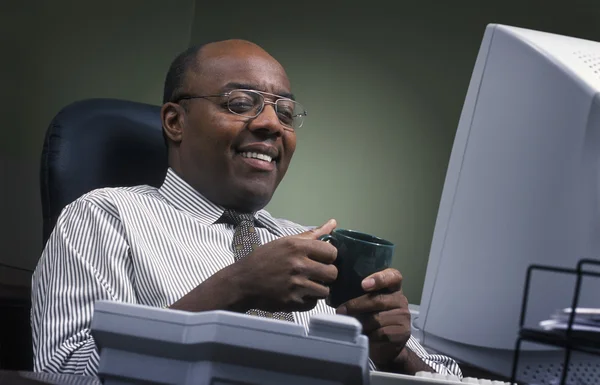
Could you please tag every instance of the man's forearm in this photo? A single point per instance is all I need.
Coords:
(408, 362)
(219, 292)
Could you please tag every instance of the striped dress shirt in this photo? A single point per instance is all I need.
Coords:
(138, 245)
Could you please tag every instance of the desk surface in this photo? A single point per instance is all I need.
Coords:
(29, 378)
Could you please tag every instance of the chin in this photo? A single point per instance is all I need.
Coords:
(251, 203)
(253, 197)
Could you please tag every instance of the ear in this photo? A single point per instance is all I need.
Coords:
(172, 116)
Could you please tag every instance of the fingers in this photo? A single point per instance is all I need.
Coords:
(374, 302)
(320, 251)
(315, 233)
(313, 248)
(307, 269)
(325, 273)
(317, 251)
(390, 279)
(375, 321)
(398, 335)
(311, 289)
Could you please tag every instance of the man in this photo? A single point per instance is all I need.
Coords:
(229, 119)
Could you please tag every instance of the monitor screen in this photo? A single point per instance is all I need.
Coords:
(522, 188)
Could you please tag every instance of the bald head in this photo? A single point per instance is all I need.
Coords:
(204, 60)
(232, 47)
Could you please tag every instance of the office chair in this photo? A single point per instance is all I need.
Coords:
(98, 143)
(89, 144)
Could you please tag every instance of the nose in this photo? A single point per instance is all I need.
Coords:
(267, 122)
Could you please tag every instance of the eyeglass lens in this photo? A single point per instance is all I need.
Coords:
(250, 103)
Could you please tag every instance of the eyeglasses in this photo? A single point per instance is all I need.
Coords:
(250, 103)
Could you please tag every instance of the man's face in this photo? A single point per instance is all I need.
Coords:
(218, 149)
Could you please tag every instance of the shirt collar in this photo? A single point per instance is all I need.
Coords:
(184, 197)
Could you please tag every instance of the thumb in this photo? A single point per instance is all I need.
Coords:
(315, 233)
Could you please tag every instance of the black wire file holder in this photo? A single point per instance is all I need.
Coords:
(566, 339)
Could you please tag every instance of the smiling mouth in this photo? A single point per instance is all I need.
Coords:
(257, 155)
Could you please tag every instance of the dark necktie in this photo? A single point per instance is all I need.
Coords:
(245, 240)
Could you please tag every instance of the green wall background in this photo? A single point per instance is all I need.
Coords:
(54, 53)
(384, 85)
(383, 82)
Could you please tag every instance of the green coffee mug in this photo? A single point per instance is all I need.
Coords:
(359, 255)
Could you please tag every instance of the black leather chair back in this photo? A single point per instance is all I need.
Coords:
(98, 143)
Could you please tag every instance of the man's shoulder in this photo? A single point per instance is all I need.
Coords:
(108, 198)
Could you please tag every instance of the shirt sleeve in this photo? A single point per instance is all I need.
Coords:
(440, 363)
(85, 260)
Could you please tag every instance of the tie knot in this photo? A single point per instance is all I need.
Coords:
(235, 218)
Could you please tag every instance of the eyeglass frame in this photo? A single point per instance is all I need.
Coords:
(264, 101)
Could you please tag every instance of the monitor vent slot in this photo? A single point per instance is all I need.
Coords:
(590, 59)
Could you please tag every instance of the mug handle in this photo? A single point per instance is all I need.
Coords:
(329, 239)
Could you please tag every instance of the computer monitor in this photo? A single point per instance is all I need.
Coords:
(522, 187)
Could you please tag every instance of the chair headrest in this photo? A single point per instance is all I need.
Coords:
(98, 143)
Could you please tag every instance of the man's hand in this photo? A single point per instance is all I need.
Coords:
(289, 273)
(384, 315)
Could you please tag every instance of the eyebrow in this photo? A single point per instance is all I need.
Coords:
(246, 86)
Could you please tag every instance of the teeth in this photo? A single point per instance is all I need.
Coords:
(256, 155)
